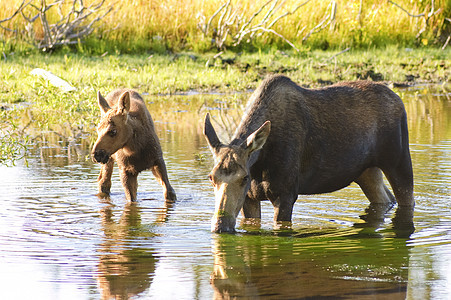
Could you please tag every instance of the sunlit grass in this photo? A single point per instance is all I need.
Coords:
(31, 105)
(141, 26)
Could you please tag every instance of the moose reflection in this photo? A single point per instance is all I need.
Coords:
(330, 263)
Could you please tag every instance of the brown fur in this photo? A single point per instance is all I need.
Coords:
(314, 141)
(126, 134)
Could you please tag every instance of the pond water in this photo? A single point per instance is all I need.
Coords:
(58, 240)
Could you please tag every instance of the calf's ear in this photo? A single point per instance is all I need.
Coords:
(103, 104)
(258, 138)
(123, 105)
(210, 135)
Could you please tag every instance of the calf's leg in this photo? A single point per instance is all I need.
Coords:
(160, 172)
(130, 183)
(104, 179)
(372, 184)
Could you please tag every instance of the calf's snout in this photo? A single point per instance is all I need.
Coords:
(100, 156)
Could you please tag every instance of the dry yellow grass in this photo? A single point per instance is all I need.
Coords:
(174, 23)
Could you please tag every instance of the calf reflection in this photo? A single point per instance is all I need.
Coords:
(125, 268)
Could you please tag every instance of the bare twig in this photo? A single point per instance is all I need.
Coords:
(328, 19)
(359, 16)
(207, 26)
(426, 17)
(404, 10)
(281, 36)
(254, 15)
(288, 13)
(447, 42)
(21, 7)
(339, 53)
(233, 25)
(72, 26)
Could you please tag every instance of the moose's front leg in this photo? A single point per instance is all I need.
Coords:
(251, 209)
(252, 214)
(283, 209)
(104, 179)
(130, 183)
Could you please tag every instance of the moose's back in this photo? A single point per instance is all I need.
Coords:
(325, 138)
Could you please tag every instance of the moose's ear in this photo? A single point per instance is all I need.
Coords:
(210, 135)
(103, 104)
(123, 105)
(258, 138)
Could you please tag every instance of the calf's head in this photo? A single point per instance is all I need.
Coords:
(230, 175)
(113, 130)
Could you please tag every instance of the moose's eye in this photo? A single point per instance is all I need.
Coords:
(112, 132)
(245, 180)
(211, 178)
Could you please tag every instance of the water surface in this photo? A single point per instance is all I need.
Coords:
(58, 240)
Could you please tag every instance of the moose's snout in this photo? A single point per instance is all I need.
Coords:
(223, 224)
(100, 156)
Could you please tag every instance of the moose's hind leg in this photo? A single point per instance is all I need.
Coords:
(104, 179)
(371, 181)
(398, 169)
(401, 181)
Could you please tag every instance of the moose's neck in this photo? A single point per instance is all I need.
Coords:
(247, 126)
(142, 141)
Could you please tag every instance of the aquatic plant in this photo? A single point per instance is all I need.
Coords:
(13, 141)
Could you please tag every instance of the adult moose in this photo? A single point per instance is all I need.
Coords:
(294, 141)
(126, 134)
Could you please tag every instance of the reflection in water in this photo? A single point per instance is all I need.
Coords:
(125, 269)
(376, 214)
(59, 241)
(430, 272)
(341, 264)
(403, 221)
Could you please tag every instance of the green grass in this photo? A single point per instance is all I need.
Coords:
(30, 105)
(231, 72)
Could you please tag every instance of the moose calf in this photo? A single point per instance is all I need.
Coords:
(126, 134)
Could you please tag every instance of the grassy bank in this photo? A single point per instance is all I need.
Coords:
(229, 72)
(30, 105)
(137, 26)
